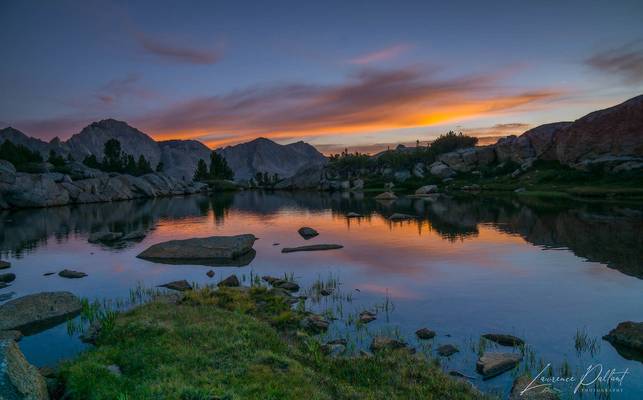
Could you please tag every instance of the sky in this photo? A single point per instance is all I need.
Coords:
(358, 74)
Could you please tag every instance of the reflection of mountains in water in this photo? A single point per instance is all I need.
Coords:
(609, 234)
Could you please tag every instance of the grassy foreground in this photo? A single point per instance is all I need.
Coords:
(239, 344)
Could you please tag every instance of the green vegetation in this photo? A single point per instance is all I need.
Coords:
(219, 169)
(116, 160)
(551, 179)
(18, 155)
(239, 343)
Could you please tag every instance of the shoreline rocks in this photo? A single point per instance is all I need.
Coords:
(36, 312)
(492, 364)
(181, 285)
(380, 343)
(312, 247)
(231, 281)
(18, 378)
(386, 196)
(627, 334)
(504, 339)
(5, 264)
(447, 350)
(7, 278)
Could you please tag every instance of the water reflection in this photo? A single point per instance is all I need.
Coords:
(606, 233)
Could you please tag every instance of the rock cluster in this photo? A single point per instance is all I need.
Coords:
(84, 185)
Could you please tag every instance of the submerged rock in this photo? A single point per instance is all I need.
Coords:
(314, 247)
(231, 281)
(286, 285)
(425, 333)
(503, 339)
(307, 232)
(315, 323)
(7, 278)
(366, 316)
(69, 274)
(628, 334)
(380, 343)
(134, 235)
(535, 392)
(104, 237)
(209, 249)
(4, 264)
(18, 379)
(210, 273)
(181, 285)
(37, 312)
(492, 364)
(447, 350)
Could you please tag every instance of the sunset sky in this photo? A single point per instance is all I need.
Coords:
(357, 74)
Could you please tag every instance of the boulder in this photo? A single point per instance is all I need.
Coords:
(427, 189)
(7, 278)
(181, 285)
(503, 339)
(35, 190)
(425, 333)
(209, 248)
(7, 173)
(401, 176)
(334, 347)
(366, 316)
(37, 312)
(534, 392)
(491, 364)
(441, 170)
(418, 170)
(313, 247)
(447, 350)
(5, 264)
(380, 343)
(19, 380)
(353, 215)
(231, 281)
(210, 274)
(386, 196)
(627, 334)
(69, 274)
(307, 233)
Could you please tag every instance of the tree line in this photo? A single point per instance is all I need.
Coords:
(218, 169)
(117, 160)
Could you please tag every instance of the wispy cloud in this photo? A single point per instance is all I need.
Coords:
(625, 61)
(369, 101)
(385, 54)
(178, 52)
(119, 88)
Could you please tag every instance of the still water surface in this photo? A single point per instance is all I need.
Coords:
(540, 270)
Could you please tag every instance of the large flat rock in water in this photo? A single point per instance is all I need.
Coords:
(492, 364)
(18, 378)
(213, 250)
(37, 312)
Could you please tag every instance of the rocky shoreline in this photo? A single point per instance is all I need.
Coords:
(83, 185)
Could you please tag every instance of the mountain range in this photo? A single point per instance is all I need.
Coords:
(179, 157)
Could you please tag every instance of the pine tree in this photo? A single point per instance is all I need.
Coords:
(113, 159)
(159, 166)
(219, 168)
(201, 172)
(143, 166)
